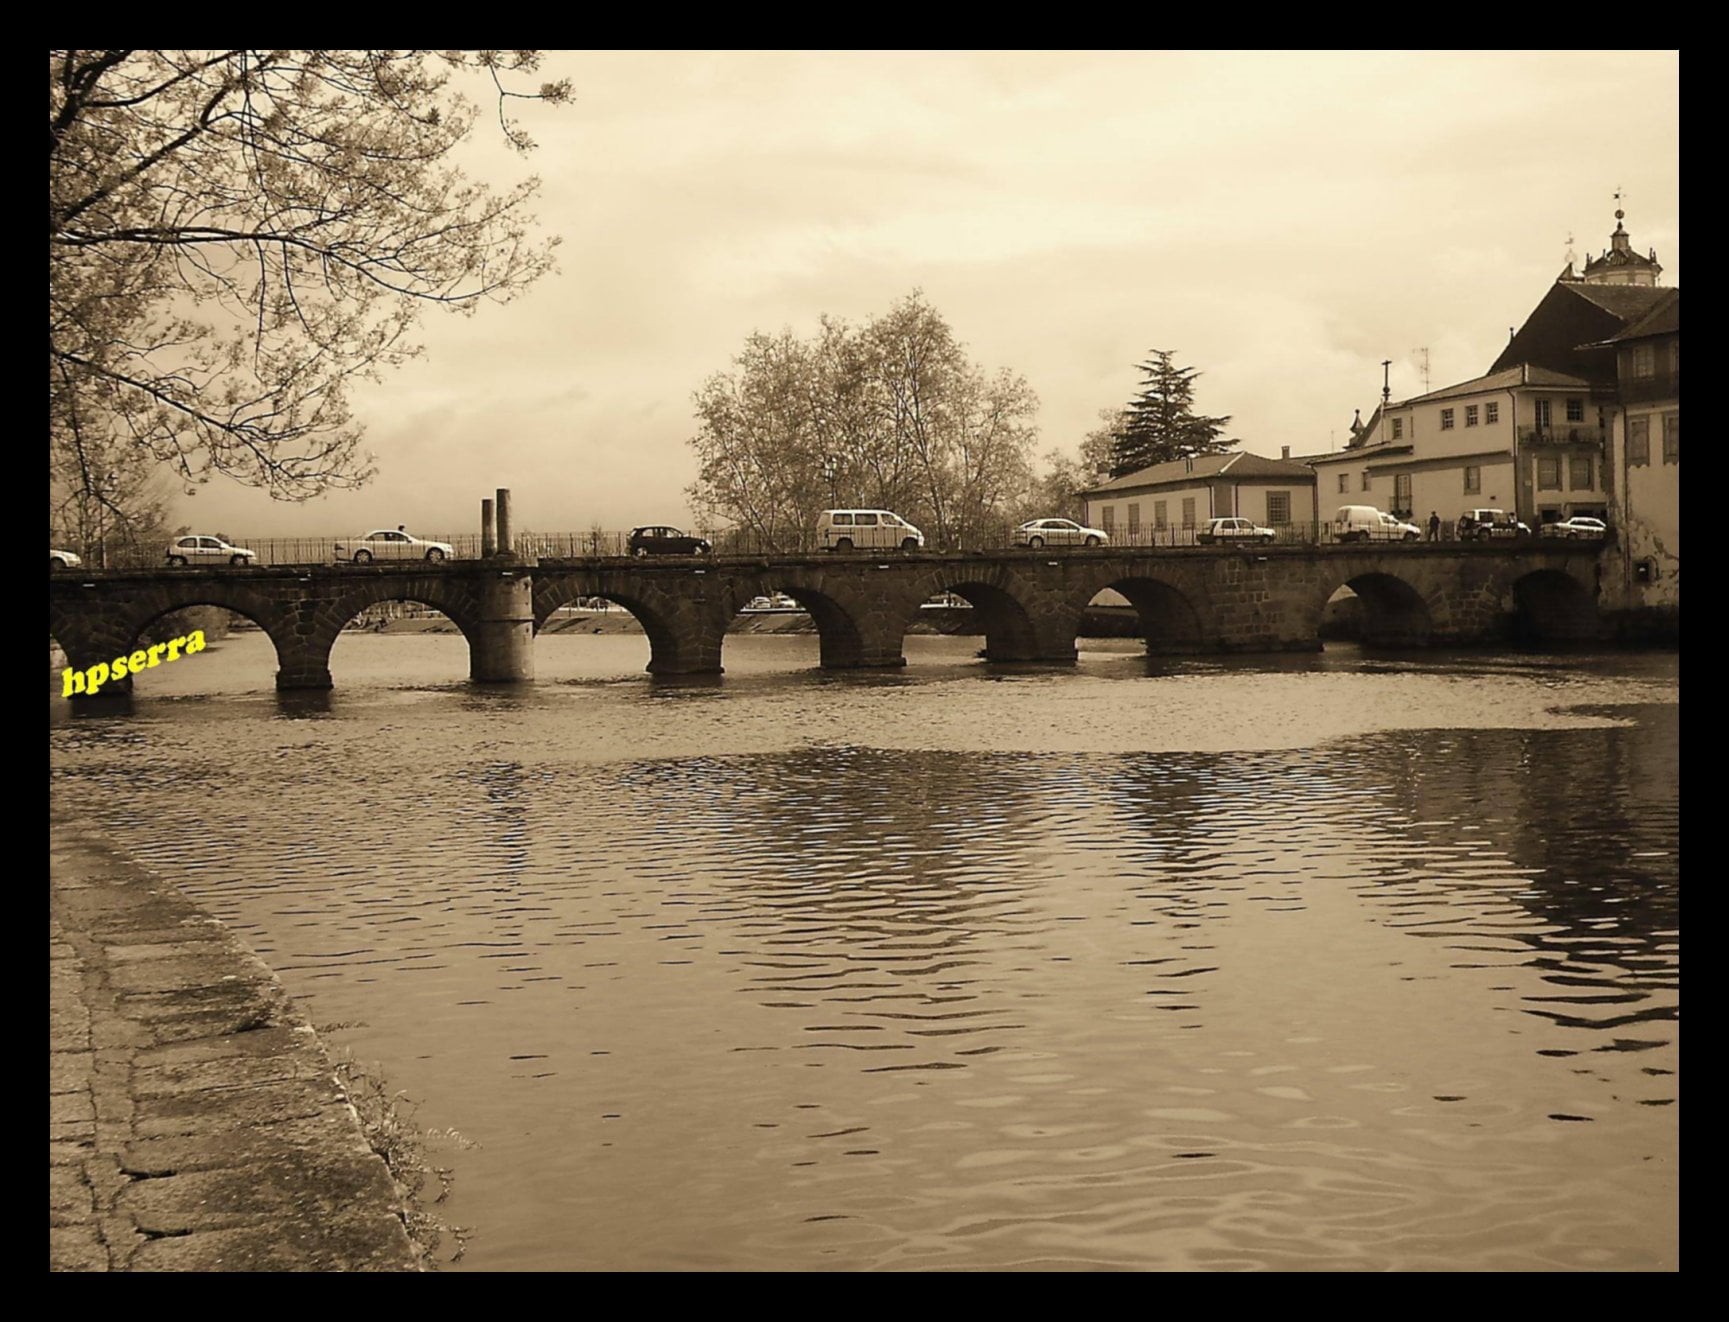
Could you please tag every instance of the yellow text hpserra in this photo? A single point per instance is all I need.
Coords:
(88, 681)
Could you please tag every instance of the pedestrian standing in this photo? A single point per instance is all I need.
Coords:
(1434, 526)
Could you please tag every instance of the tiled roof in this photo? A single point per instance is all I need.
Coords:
(1625, 301)
(1178, 472)
(1524, 374)
(1663, 319)
(1572, 315)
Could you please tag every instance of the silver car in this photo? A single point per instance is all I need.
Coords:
(202, 550)
(391, 544)
(1058, 532)
(63, 559)
(1579, 526)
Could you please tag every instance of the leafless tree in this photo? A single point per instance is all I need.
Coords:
(236, 236)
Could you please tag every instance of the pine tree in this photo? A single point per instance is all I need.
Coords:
(1161, 422)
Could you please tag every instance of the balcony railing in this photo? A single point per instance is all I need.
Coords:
(1563, 433)
(1644, 389)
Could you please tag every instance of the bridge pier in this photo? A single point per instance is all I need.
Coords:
(501, 650)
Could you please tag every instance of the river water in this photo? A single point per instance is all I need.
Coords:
(1332, 962)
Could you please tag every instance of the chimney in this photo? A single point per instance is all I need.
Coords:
(1284, 452)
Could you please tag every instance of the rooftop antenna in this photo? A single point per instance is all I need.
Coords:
(1423, 365)
(1386, 388)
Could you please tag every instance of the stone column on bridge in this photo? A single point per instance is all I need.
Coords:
(502, 648)
(506, 543)
(488, 533)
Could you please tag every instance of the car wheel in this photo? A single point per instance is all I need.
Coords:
(361, 557)
(236, 560)
(176, 561)
(640, 552)
(843, 544)
(1410, 537)
(55, 562)
(909, 543)
(1035, 543)
(1092, 541)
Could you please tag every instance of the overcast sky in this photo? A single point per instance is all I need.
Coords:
(1284, 222)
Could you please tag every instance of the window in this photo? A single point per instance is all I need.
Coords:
(1365, 485)
(842, 520)
(1108, 517)
(1491, 413)
(1134, 517)
(1278, 508)
(1473, 479)
(1344, 483)
(1158, 514)
(867, 520)
(1188, 511)
(1644, 360)
(1471, 411)
(1575, 410)
(1639, 440)
(1671, 438)
(1446, 419)
(1402, 494)
(1398, 428)
(1545, 414)
(1579, 473)
(1549, 473)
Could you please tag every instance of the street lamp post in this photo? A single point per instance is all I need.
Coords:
(830, 472)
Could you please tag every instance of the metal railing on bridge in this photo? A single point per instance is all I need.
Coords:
(295, 552)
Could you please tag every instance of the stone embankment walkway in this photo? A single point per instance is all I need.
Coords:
(194, 1121)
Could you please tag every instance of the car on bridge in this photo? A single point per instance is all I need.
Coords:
(661, 540)
(1040, 533)
(392, 544)
(1481, 525)
(63, 559)
(1579, 526)
(1365, 523)
(866, 530)
(1234, 530)
(199, 549)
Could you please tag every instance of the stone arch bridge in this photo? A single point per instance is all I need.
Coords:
(1029, 603)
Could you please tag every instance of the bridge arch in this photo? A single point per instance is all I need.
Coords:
(1551, 605)
(1006, 608)
(1393, 612)
(89, 638)
(1170, 622)
(682, 638)
(452, 597)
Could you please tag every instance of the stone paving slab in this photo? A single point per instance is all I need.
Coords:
(194, 1121)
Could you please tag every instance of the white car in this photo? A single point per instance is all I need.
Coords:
(63, 559)
(1394, 529)
(1058, 532)
(392, 544)
(201, 550)
(1234, 530)
(872, 530)
(1580, 525)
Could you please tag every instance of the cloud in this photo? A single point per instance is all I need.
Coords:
(1285, 222)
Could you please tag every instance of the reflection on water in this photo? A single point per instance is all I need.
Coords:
(801, 971)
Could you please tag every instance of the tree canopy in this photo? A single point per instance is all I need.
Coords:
(236, 236)
(1160, 423)
(888, 415)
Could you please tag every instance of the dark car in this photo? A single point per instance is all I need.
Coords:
(665, 541)
(1482, 524)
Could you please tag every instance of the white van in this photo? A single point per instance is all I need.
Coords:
(1365, 523)
(873, 530)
